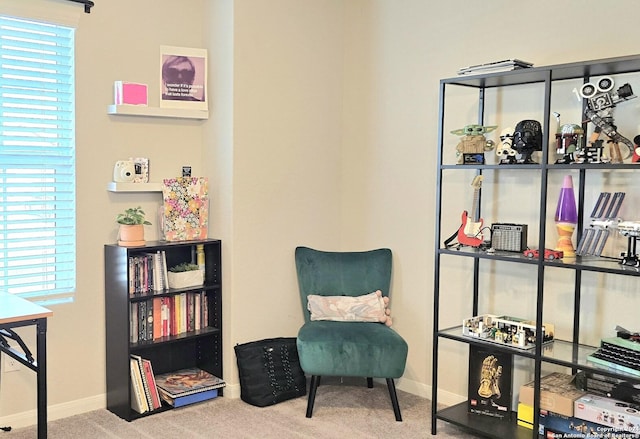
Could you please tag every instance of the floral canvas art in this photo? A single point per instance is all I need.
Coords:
(186, 208)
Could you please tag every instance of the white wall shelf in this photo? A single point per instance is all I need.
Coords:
(139, 110)
(134, 187)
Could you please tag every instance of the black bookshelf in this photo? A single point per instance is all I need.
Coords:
(200, 348)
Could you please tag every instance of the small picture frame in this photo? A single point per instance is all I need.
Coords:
(183, 78)
(141, 166)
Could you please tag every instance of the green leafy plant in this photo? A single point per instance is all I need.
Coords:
(184, 266)
(132, 216)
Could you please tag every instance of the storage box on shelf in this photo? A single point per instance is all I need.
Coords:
(485, 268)
(189, 336)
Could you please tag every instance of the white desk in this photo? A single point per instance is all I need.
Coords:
(16, 312)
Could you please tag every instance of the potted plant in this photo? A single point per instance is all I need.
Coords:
(132, 222)
(185, 275)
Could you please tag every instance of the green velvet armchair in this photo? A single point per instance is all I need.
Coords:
(353, 349)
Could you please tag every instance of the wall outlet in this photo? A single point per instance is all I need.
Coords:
(10, 364)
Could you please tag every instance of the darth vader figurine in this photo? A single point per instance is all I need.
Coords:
(527, 138)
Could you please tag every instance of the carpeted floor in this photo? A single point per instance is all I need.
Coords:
(342, 410)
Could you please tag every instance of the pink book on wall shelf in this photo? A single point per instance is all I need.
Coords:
(186, 208)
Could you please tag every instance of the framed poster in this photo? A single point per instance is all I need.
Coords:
(183, 78)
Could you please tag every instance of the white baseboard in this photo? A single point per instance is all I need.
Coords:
(57, 411)
(232, 391)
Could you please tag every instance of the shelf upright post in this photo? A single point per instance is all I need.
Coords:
(578, 272)
(436, 276)
(544, 180)
(476, 262)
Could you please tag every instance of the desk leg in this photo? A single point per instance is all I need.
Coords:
(41, 373)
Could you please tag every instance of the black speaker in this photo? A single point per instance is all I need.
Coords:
(509, 237)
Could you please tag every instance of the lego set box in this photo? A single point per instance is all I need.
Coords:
(609, 412)
(490, 382)
(611, 387)
(506, 330)
(557, 393)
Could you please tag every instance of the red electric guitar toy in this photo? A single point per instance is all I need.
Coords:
(470, 232)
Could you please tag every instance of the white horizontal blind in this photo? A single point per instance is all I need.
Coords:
(37, 160)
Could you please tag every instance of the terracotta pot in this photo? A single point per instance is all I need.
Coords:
(131, 236)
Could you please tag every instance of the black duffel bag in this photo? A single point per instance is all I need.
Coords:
(270, 371)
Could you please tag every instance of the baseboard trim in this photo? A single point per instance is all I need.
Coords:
(56, 411)
(232, 391)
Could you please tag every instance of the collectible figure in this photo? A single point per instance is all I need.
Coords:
(472, 146)
(505, 151)
(636, 149)
(569, 138)
(527, 138)
(601, 99)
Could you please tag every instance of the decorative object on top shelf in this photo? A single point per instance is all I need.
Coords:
(505, 330)
(141, 167)
(527, 138)
(134, 170)
(569, 138)
(129, 93)
(124, 171)
(566, 218)
(185, 275)
(471, 148)
(184, 78)
(131, 231)
(186, 208)
(601, 99)
(636, 149)
(505, 151)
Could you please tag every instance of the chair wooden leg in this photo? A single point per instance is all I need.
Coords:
(394, 399)
(315, 382)
(370, 382)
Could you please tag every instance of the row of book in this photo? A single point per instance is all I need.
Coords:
(159, 317)
(177, 389)
(148, 273)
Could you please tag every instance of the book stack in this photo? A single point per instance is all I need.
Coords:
(495, 66)
(619, 354)
(188, 386)
(144, 392)
(158, 317)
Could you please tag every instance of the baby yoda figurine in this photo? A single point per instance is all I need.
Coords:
(473, 144)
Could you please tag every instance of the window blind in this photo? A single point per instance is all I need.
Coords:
(37, 160)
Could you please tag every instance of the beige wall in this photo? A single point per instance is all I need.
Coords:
(321, 133)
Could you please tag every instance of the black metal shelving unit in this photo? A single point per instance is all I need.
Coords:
(567, 353)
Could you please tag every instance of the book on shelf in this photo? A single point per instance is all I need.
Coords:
(186, 386)
(151, 380)
(147, 273)
(145, 381)
(181, 401)
(157, 317)
(138, 398)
